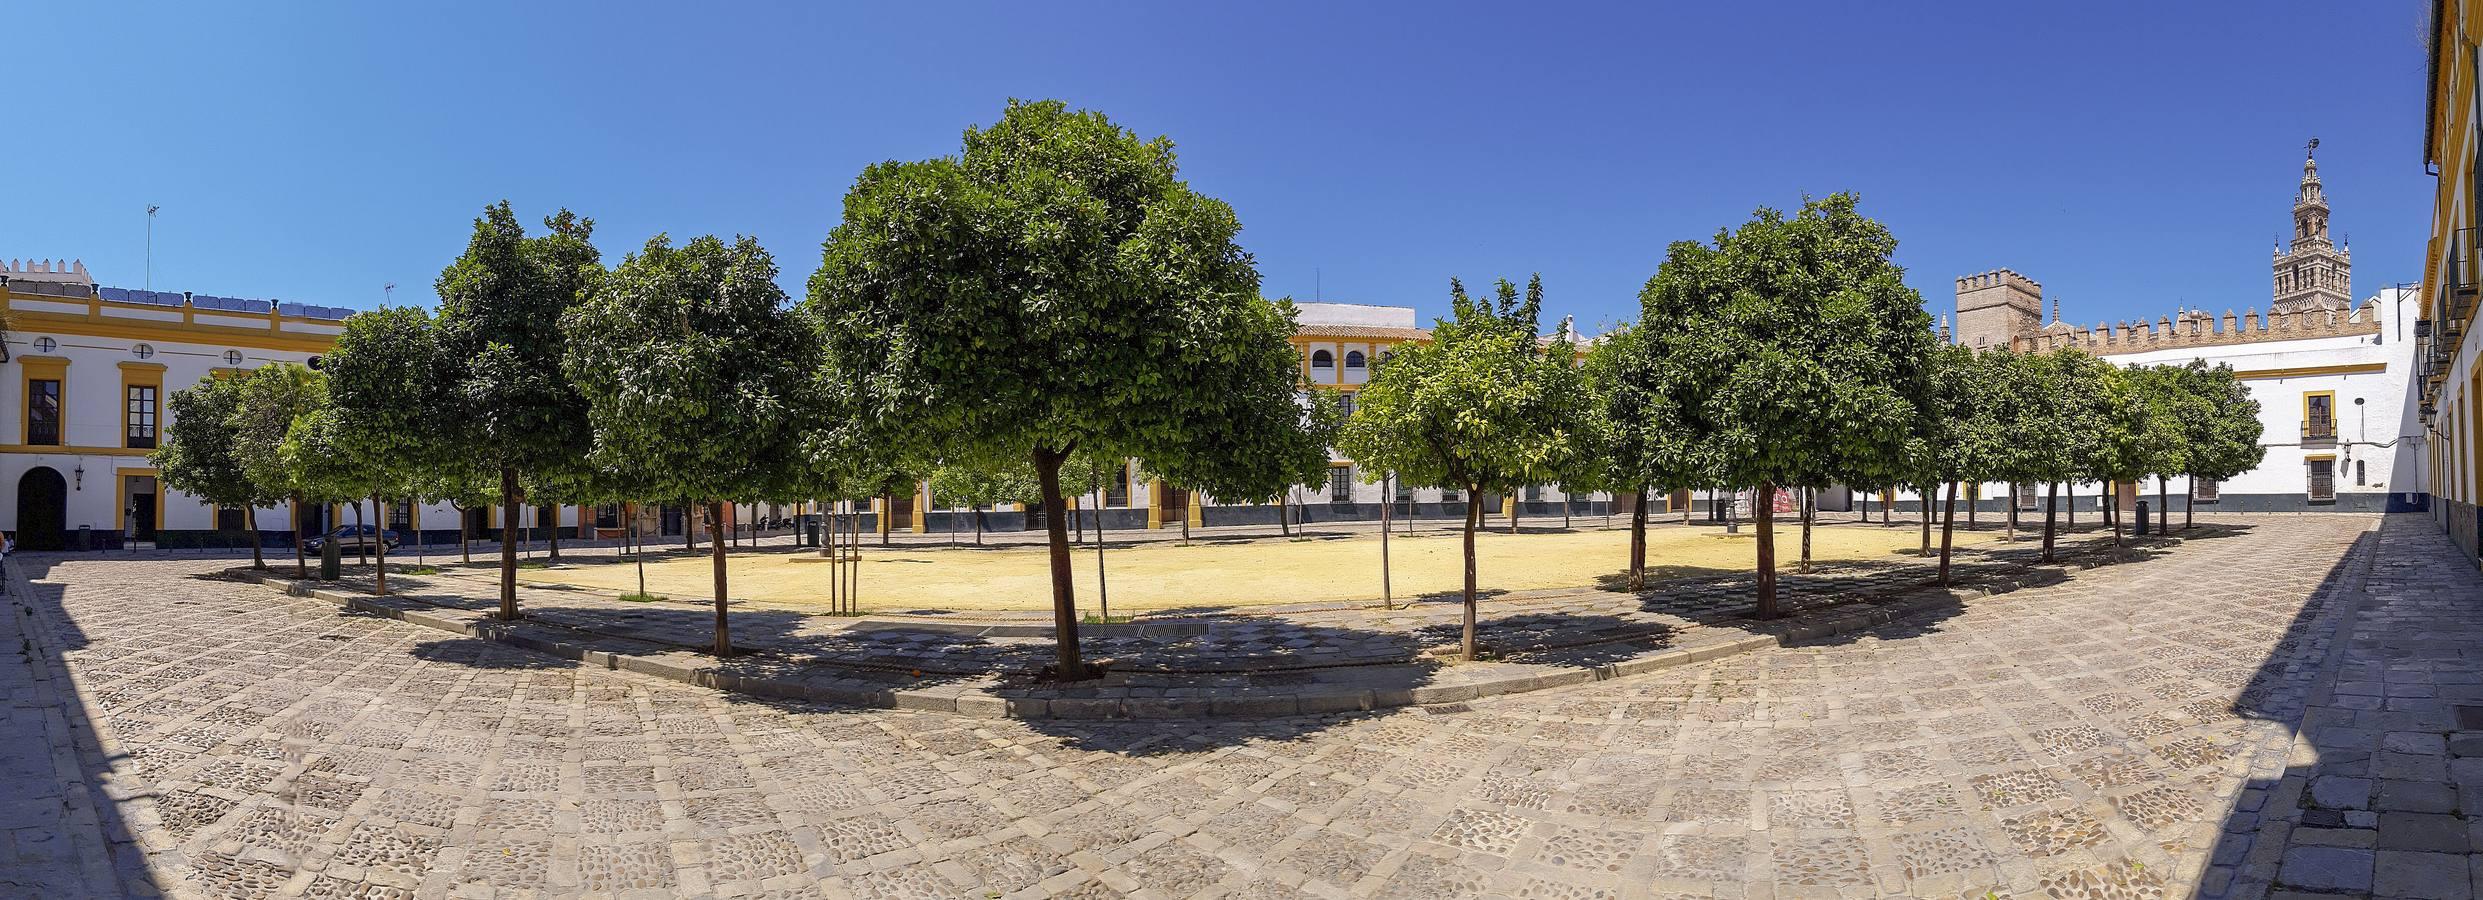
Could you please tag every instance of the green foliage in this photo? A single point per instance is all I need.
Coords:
(201, 451)
(1795, 348)
(1483, 405)
(694, 371)
(1632, 435)
(2163, 441)
(1054, 287)
(500, 343)
(269, 401)
(2220, 423)
(988, 481)
(385, 401)
(1057, 286)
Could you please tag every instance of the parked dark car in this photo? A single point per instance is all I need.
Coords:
(352, 539)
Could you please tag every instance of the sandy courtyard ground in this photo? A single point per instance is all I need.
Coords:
(1235, 573)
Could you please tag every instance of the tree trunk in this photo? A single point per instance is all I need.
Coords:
(2163, 503)
(724, 634)
(1974, 501)
(2010, 508)
(1186, 500)
(250, 520)
(2112, 510)
(887, 517)
(508, 543)
(1474, 519)
(629, 538)
(301, 566)
(1638, 543)
(2189, 504)
(1512, 502)
(1948, 525)
(1922, 497)
(379, 541)
(2050, 503)
(1284, 526)
(553, 537)
(1387, 502)
(1808, 503)
(1764, 514)
(978, 526)
(1067, 665)
(2071, 510)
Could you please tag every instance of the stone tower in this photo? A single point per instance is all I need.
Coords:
(2314, 273)
(1996, 307)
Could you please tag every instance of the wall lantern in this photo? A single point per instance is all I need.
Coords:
(79, 474)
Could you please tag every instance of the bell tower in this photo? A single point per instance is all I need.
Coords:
(2313, 273)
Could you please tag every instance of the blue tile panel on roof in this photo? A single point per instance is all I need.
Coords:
(232, 304)
(225, 304)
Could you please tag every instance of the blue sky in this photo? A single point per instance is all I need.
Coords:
(2131, 156)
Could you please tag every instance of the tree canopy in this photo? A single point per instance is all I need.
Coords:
(1799, 351)
(1055, 286)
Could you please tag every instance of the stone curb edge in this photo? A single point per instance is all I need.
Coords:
(972, 698)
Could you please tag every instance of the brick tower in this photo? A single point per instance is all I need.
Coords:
(1996, 307)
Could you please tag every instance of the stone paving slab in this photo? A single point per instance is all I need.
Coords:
(1548, 640)
(2084, 739)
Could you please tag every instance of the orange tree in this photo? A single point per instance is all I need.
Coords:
(1797, 349)
(1056, 287)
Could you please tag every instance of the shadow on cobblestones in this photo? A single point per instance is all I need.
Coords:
(482, 654)
(2277, 693)
(69, 838)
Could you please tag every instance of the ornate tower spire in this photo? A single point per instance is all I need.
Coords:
(2313, 273)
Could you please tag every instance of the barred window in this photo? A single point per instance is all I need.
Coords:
(1341, 484)
(2203, 489)
(2322, 479)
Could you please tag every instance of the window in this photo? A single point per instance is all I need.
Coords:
(608, 515)
(2358, 482)
(45, 345)
(1345, 404)
(1534, 493)
(43, 411)
(2025, 496)
(232, 357)
(229, 518)
(1116, 492)
(1450, 495)
(2319, 416)
(1341, 484)
(401, 515)
(2322, 479)
(1321, 359)
(141, 416)
(143, 351)
(1405, 492)
(2203, 490)
(1353, 359)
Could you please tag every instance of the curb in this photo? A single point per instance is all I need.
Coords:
(790, 677)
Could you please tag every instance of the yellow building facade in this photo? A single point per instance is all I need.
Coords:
(2449, 353)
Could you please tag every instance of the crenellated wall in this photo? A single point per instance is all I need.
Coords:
(2199, 329)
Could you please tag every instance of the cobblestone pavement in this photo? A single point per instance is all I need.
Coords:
(2384, 794)
(2090, 738)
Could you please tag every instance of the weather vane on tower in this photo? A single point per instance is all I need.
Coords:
(2311, 149)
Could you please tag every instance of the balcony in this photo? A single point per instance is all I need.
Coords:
(2319, 431)
(2464, 278)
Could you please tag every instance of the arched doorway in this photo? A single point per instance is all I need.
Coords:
(42, 509)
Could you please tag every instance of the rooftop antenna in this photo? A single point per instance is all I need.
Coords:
(387, 292)
(1315, 284)
(151, 208)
